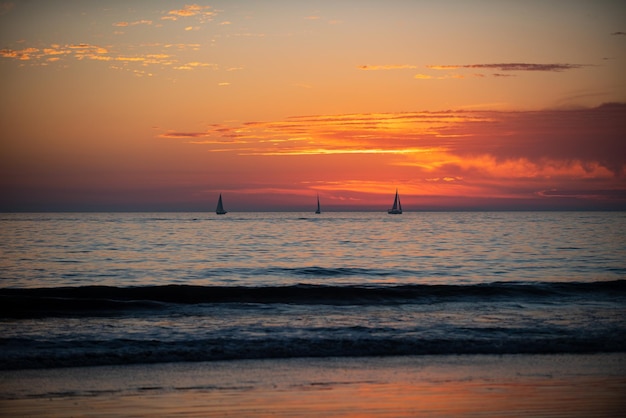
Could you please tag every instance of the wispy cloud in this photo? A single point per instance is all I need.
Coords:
(24, 54)
(189, 11)
(619, 33)
(135, 23)
(194, 65)
(480, 154)
(515, 66)
(162, 56)
(586, 143)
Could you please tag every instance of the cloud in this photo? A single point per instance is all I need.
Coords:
(135, 23)
(189, 11)
(610, 194)
(154, 55)
(505, 67)
(444, 67)
(386, 67)
(194, 65)
(25, 54)
(40, 56)
(618, 33)
(581, 143)
(516, 66)
(184, 135)
(587, 138)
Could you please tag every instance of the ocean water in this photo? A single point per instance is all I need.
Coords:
(82, 289)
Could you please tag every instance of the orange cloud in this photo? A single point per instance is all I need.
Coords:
(488, 154)
(22, 54)
(536, 137)
(84, 51)
(191, 10)
(137, 22)
(194, 65)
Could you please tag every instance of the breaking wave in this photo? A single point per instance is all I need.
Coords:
(85, 299)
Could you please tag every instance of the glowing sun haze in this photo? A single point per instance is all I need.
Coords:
(162, 105)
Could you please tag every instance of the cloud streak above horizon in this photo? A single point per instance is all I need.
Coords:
(513, 66)
(549, 139)
(547, 154)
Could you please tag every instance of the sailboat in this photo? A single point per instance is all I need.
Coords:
(220, 207)
(397, 206)
(318, 210)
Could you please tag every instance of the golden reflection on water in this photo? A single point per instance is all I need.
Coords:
(537, 397)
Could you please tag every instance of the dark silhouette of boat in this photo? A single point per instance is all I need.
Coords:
(397, 206)
(220, 207)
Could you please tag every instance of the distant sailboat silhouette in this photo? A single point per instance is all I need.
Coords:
(318, 210)
(220, 207)
(397, 206)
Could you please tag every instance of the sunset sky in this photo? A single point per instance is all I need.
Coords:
(162, 105)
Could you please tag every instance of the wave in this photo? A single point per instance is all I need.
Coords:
(27, 354)
(85, 300)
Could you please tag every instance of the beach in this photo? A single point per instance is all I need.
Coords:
(564, 385)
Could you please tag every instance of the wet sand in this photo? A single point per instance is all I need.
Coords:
(436, 386)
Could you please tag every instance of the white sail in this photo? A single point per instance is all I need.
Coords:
(220, 207)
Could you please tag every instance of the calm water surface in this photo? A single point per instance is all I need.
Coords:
(46, 250)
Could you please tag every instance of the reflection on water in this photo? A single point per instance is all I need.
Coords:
(446, 386)
(276, 248)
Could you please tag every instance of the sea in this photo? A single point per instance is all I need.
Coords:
(92, 289)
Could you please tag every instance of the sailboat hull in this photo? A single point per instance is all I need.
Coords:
(394, 212)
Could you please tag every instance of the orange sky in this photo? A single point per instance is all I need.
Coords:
(162, 105)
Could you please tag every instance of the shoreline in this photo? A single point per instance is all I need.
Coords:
(436, 385)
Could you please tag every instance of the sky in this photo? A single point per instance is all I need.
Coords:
(460, 105)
